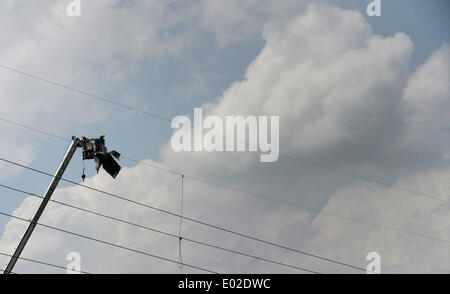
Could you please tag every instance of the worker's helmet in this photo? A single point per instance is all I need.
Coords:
(102, 136)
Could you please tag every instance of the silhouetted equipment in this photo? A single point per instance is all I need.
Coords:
(83, 176)
(108, 162)
(96, 149)
(92, 149)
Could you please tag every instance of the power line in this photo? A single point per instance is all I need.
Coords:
(188, 218)
(228, 187)
(33, 129)
(202, 222)
(109, 243)
(386, 185)
(43, 263)
(205, 223)
(159, 231)
(85, 93)
(157, 116)
(3, 270)
(180, 255)
(256, 195)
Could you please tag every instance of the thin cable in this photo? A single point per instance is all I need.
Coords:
(386, 185)
(156, 230)
(286, 155)
(33, 129)
(247, 193)
(237, 189)
(44, 263)
(85, 93)
(3, 270)
(109, 243)
(191, 219)
(180, 256)
(169, 120)
(261, 195)
(269, 197)
(198, 221)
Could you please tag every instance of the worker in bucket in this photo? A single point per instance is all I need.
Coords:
(100, 144)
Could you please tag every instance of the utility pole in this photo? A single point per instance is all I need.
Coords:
(48, 194)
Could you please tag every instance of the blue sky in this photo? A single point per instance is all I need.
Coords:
(426, 22)
(167, 84)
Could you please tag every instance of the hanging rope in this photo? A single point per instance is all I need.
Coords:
(180, 256)
(83, 176)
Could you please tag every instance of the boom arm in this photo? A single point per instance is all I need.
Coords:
(48, 194)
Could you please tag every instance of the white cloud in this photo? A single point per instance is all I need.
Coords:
(233, 20)
(333, 84)
(426, 107)
(400, 252)
(428, 89)
(342, 94)
(14, 153)
(41, 39)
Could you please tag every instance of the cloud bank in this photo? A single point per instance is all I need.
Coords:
(344, 97)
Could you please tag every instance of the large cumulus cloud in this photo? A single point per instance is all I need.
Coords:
(345, 97)
(130, 38)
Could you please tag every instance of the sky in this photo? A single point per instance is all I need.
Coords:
(366, 99)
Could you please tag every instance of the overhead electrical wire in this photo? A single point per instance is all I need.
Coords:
(85, 93)
(157, 116)
(2, 270)
(33, 129)
(199, 221)
(212, 183)
(197, 178)
(42, 263)
(109, 243)
(263, 197)
(158, 231)
(227, 187)
(189, 218)
(254, 194)
(180, 255)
